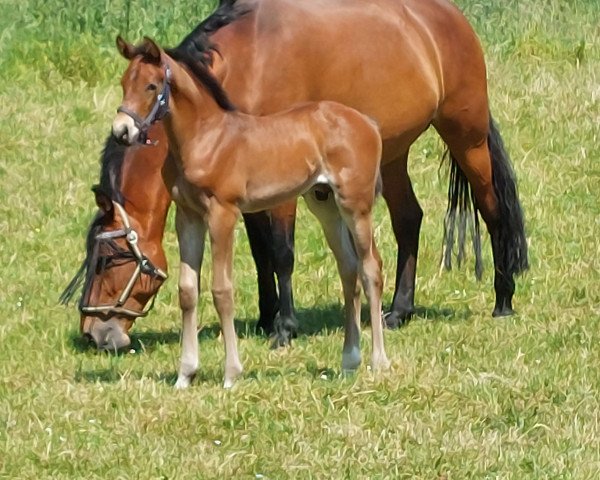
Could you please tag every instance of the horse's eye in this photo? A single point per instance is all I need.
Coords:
(151, 87)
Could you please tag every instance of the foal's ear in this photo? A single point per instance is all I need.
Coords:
(151, 51)
(126, 49)
(103, 200)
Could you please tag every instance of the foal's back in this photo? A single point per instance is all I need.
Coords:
(284, 154)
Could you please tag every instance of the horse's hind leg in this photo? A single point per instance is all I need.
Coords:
(323, 206)
(406, 215)
(258, 228)
(470, 137)
(191, 232)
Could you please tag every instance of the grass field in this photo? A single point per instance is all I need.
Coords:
(467, 396)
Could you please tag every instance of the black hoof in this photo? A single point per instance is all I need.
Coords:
(264, 327)
(503, 312)
(285, 330)
(397, 319)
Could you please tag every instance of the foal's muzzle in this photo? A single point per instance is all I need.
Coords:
(125, 130)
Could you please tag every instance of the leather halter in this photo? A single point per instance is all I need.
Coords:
(143, 265)
(158, 111)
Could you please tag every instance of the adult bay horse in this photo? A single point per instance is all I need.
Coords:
(125, 264)
(409, 64)
(229, 162)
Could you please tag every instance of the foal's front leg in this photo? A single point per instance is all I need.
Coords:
(221, 225)
(191, 230)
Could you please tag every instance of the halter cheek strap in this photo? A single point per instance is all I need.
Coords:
(143, 266)
(158, 112)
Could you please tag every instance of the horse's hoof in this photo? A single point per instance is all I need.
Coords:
(503, 312)
(279, 340)
(396, 319)
(262, 328)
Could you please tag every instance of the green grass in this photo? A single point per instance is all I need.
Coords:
(467, 396)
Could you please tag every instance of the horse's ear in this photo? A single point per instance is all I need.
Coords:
(125, 49)
(103, 200)
(151, 50)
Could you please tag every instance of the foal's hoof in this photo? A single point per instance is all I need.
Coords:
(380, 364)
(396, 319)
(183, 383)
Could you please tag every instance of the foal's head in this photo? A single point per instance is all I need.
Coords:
(146, 91)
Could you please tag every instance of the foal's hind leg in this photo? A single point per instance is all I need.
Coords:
(190, 235)
(339, 240)
(361, 226)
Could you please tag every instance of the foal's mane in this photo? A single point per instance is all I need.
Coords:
(196, 52)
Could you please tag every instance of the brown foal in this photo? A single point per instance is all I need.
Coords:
(230, 163)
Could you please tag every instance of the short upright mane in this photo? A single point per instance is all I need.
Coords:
(200, 72)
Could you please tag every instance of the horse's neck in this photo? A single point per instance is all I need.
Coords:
(146, 167)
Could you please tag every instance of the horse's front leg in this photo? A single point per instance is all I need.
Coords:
(221, 225)
(191, 230)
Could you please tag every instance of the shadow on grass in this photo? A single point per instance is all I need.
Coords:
(311, 321)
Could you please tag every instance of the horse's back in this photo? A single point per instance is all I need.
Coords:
(393, 60)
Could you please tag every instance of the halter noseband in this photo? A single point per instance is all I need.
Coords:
(144, 265)
(158, 112)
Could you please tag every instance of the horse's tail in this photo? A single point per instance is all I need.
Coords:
(513, 254)
(462, 209)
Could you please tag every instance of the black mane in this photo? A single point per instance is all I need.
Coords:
(196, 50)
(197, 44)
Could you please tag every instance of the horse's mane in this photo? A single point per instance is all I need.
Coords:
(197, 44)
(196, 50)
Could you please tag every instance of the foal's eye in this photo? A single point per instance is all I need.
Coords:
(151, 87)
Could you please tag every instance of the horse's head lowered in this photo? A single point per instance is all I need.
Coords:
(119, 278)
(146, 91)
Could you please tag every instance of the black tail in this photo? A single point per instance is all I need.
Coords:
(513, 260)
(462, 208)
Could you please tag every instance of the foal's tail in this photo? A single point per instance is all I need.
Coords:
(462, 210)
